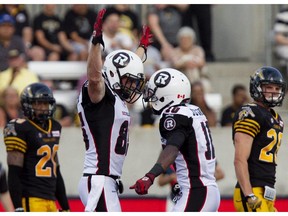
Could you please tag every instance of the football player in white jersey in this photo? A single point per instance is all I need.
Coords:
(186, 141)
(105, 118)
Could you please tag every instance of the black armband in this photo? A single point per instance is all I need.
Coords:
(61, 191)
(15, 185)
(99, 39)
(156, 170)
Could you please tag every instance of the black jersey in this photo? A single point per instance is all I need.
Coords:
(267, 130)
(39, 148)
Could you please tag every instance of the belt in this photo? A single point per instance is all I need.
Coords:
(111, 176)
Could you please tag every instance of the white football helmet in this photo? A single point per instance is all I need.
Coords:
(124, 72)
(165, 88)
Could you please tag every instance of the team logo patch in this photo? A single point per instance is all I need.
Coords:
(10, 130)
(245, 112)
(162, 79)
(121, 60)
(169, 124)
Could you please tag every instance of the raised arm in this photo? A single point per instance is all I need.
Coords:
(96, 87)
(145, 41)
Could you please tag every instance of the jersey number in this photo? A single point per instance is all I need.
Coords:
(48, 154)
(267, 154)
(121, 144)
(210, 152)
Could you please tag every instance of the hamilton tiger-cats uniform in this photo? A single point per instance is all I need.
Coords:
(267, 130)
(195, 163)
(105, 132)
(39, 147)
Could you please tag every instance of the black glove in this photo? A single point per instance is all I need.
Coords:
(176, 192)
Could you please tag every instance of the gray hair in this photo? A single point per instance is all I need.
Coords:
(186, 32)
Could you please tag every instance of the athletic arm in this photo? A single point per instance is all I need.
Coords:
(15, 160)
(243, 146)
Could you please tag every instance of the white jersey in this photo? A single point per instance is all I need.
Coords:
(105, 132)
(195, 163)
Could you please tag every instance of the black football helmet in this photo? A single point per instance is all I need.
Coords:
(37, 92)
(267, 75)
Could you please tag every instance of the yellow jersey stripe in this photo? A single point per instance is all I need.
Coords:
(15, 139)
(9, 143)
(245, 131)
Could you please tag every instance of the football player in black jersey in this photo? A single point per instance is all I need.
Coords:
(34, 177)
(257, 135)
(105, 118)
(186, 142)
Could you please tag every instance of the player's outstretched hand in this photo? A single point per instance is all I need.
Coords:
(97, 33)
(142, 185)
(147, 37)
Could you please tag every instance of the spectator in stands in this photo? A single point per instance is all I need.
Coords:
(17, 75)
(203, 17)
(78, 25)
(21, 17)
(165, 20)
(188, 57)
(198, 99)
(239, 98)
(281, 35)
(23, 29)
(8, 40)
(4, 193)
(50, 35)
(112, 37)
(61, 113)
(129, 21)
(10, 106)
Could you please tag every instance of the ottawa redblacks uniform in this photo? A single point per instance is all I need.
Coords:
(105, 132)
(195, 163)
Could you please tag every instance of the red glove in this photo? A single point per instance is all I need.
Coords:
(142, 185)
(146, 38)
(97, 33)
